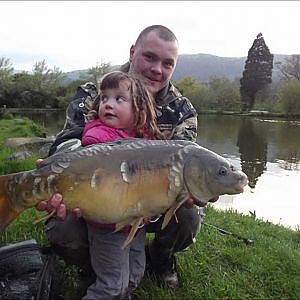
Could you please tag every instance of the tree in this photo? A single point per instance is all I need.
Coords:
(290, 67)
(45, 77)
(6, 71)
(95, 73)
(226, 93)
(257, 73)
(197, 93)
(289, 96)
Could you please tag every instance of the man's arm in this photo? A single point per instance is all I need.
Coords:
(75, 115)
(187, 130)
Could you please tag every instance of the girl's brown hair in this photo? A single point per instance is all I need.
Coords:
(143, 105)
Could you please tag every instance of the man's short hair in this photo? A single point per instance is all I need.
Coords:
(163, 32)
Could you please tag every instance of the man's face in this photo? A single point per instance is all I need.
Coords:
(153, 60)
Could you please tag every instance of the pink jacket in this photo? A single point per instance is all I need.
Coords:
(97, 132)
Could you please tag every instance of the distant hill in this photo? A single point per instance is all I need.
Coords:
(203, 66)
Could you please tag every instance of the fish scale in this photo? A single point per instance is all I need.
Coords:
(123, 182)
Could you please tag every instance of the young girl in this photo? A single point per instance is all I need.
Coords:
(123, 109)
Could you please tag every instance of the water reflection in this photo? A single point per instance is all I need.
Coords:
(253, 148)
(268, 151)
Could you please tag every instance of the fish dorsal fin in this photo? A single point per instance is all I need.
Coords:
(135, 226)
(181, 198)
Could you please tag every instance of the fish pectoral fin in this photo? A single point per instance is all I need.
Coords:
(168, 215)
(122, 224)
(181, 198)
(135, 226)
(45, 218)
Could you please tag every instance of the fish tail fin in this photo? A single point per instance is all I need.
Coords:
(135, 226)
(7, 212)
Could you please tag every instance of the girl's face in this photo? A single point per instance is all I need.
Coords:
(115, 107)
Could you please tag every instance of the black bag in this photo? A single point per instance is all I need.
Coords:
(25, 272)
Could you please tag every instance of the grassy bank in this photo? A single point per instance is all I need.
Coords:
(216, 267)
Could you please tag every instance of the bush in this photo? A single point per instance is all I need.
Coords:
(289, 97)
(7, 116)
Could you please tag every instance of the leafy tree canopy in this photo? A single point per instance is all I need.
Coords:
(257, 73)
(95, 73)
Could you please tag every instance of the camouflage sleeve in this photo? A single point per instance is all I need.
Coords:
(75, 115)
(80, 105)
(187, 130)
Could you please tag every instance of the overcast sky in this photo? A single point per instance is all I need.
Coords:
(74, 35)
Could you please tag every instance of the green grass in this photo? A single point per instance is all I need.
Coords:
(23, 227)
(216, 267)
(220, 266)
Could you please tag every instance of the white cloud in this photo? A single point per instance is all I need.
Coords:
(77, 34)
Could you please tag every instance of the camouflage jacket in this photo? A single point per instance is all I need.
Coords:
(175, 114)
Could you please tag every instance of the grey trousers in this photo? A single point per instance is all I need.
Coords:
(69, 238)
(118, 270)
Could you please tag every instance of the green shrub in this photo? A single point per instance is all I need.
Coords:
(289, 97)
(7, 116)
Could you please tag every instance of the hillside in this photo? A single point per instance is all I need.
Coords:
(203, 66)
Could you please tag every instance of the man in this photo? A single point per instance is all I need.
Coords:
(153, 59)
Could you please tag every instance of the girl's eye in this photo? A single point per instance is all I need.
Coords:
(120, 98)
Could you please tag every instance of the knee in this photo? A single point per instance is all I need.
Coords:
(71, 232)
(189, 219)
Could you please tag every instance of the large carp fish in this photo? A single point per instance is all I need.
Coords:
(123, 182)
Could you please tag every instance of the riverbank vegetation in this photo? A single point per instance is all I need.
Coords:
(216, 267)
(47, 88)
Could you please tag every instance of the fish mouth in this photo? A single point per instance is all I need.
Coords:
(240, 188)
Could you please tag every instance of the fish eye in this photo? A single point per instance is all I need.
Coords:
(222, 171)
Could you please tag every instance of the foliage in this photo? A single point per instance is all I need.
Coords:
(257, 73)
(19, 127)
(196, 92)
(11, 128)
(45, 88)
(216, 267)
(290, 68)
(43, 76)
(226, 93)
(289, 97)
(95, 73)
(38, 90)
(219, 94)
(6, 71)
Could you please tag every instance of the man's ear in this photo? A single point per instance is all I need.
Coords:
(131, 53)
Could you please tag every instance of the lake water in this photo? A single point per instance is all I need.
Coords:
(267, 150)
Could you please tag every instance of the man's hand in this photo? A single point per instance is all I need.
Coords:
(55, 204)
